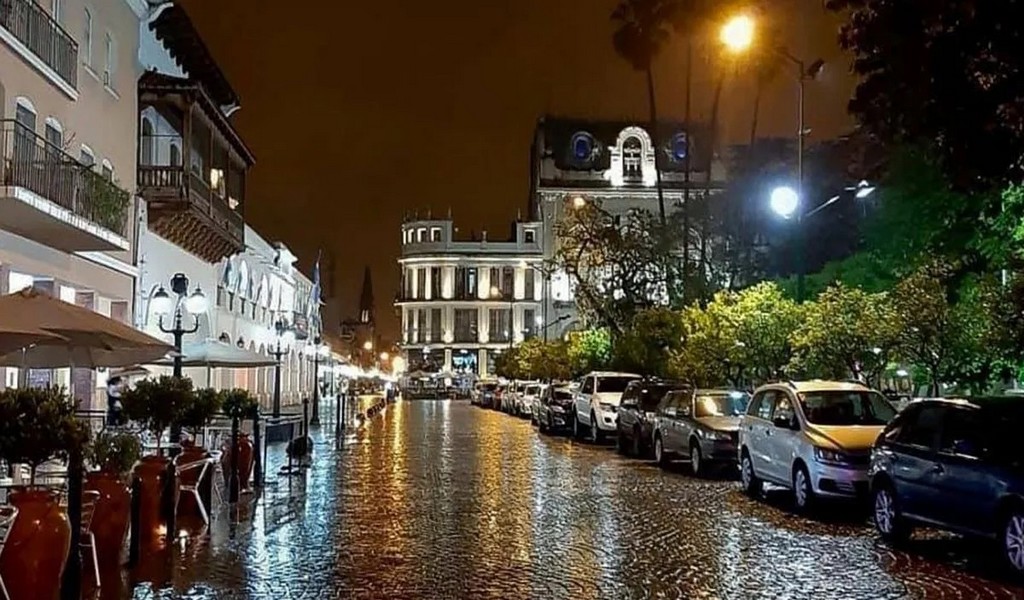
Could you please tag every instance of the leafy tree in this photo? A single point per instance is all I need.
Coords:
(646, 346)
(589, 350)
(943, 72)
(553, 362)
(845, 332)
(765, 322)
(710, 355)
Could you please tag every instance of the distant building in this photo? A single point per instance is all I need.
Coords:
(362, 329)
(612, 162)
(465, 300)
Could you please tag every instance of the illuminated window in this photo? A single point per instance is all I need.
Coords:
(632, 158)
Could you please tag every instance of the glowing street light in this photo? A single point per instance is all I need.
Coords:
(784, 201)
(738, 33)
(384, 356)
(367, 345)
(578, 202)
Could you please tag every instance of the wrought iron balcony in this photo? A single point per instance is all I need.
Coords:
(70, 206)
(33, 27)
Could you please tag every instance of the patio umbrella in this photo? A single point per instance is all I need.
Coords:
(84, 338)
(213, 353)
(16, 339)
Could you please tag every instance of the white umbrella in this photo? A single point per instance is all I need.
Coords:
(213, 353)
(84, 338)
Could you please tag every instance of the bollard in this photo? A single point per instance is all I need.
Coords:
(233, 482)
(257, 456)
(71, 586)
(337, 418)
(135, 537)
(304, 430)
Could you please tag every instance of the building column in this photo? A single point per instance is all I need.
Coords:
(448, 282)
(483, 324)
(447, 360)
(427, 284)
(481, 360)
(483, 286)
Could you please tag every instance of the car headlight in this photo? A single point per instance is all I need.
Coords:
(710, 434)
(607, 407)
(825, 455)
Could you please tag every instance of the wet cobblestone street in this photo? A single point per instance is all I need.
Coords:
(446, 500)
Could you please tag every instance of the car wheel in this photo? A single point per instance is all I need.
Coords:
(1013, 540)
(803, 493)
(577, 427)
(542, 426)
(697, 466)
(596, 435)
(752, 485)
(620, 443)
(889, 522)
(659, 451)
(638, 448)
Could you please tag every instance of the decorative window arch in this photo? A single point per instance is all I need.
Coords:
(632, 159)
(25, 103)
(148, 139)
(228, 275)
(87, 157)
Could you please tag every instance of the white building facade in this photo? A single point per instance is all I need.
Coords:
(464, 301)
(612, 163)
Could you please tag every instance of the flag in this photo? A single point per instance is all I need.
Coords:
(314, 294)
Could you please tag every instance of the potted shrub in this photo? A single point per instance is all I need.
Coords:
(156, 404)
(238, 405)
(37, 425)
(112, 455)
(195, 416)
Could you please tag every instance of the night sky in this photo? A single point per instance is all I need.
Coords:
(359, 112)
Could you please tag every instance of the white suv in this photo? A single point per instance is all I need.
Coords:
(813, 437)
(597, 403)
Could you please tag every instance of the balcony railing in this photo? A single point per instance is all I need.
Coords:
(34, 27)
(29, 161)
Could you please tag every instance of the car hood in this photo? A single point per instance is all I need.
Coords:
(612, 398)
(720, 423)
(845, 437)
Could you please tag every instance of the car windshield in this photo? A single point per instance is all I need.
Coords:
(723, 404)
(489, 387)
(613, 384)
(532, 390)
(651, 395)
(846, 408)
(561, 394)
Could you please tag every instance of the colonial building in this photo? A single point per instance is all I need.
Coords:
(612, 162)
(68, 114)
(465, 299)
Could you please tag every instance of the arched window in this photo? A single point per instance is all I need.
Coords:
(147, 142)
(24, 130)
(87, 157)
(632, 158)
(107, 170)
(175, 155)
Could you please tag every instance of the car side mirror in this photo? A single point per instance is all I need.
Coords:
(789, 422)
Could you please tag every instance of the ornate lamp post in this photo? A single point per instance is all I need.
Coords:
(284, 338)
(316, 350)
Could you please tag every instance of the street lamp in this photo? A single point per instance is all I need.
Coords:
(162, 305)
(316, 350)
(785, 201)
(737, 33)
(284, 337)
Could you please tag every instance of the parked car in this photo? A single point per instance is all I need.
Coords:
(813, 437)
(597, 402)
(955, 465)
(483, 393)
(554, 409)
(634, 426)
(530, 395)
(701, 426)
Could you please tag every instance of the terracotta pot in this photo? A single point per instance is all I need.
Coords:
(187, 504)
(152, 474)
(245, 463)
(37, 549)
(112, 515)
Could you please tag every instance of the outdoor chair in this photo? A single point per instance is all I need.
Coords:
(193, 488)
(88, 540)
(7, 516)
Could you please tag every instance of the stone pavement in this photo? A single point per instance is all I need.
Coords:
(440, 499)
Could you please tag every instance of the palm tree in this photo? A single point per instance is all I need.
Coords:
(764, 61)
(643, 29)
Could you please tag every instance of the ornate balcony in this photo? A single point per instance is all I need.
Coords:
(49, 197)
(192, 167)
(25, 25)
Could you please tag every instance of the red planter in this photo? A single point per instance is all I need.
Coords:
(37, 549)
(245, 463)
(152, 474)
(112, 515)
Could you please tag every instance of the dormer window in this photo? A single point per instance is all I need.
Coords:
(632, 158)
(680, 147)
(582, 146)
(530, 236)
(435, 234)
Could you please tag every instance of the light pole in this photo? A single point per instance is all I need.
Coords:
(162, 305)
(317, 350)
(284, 337)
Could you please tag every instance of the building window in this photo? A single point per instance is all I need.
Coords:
(435, 326)
(529, 323)
(435, 283)
(435, 234)
(147, 142)
(86, 157)
(53, 133)
(421, 233)
(465, 283)
(530, 236)
(410, 279)
(86, 47)
(421, 326)
(632, 155)
(175, 155)
(529, 283)
(421, 283)
(465, 325)
(508, 282)
(110, 60)
(107, 170)
(499, 328)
